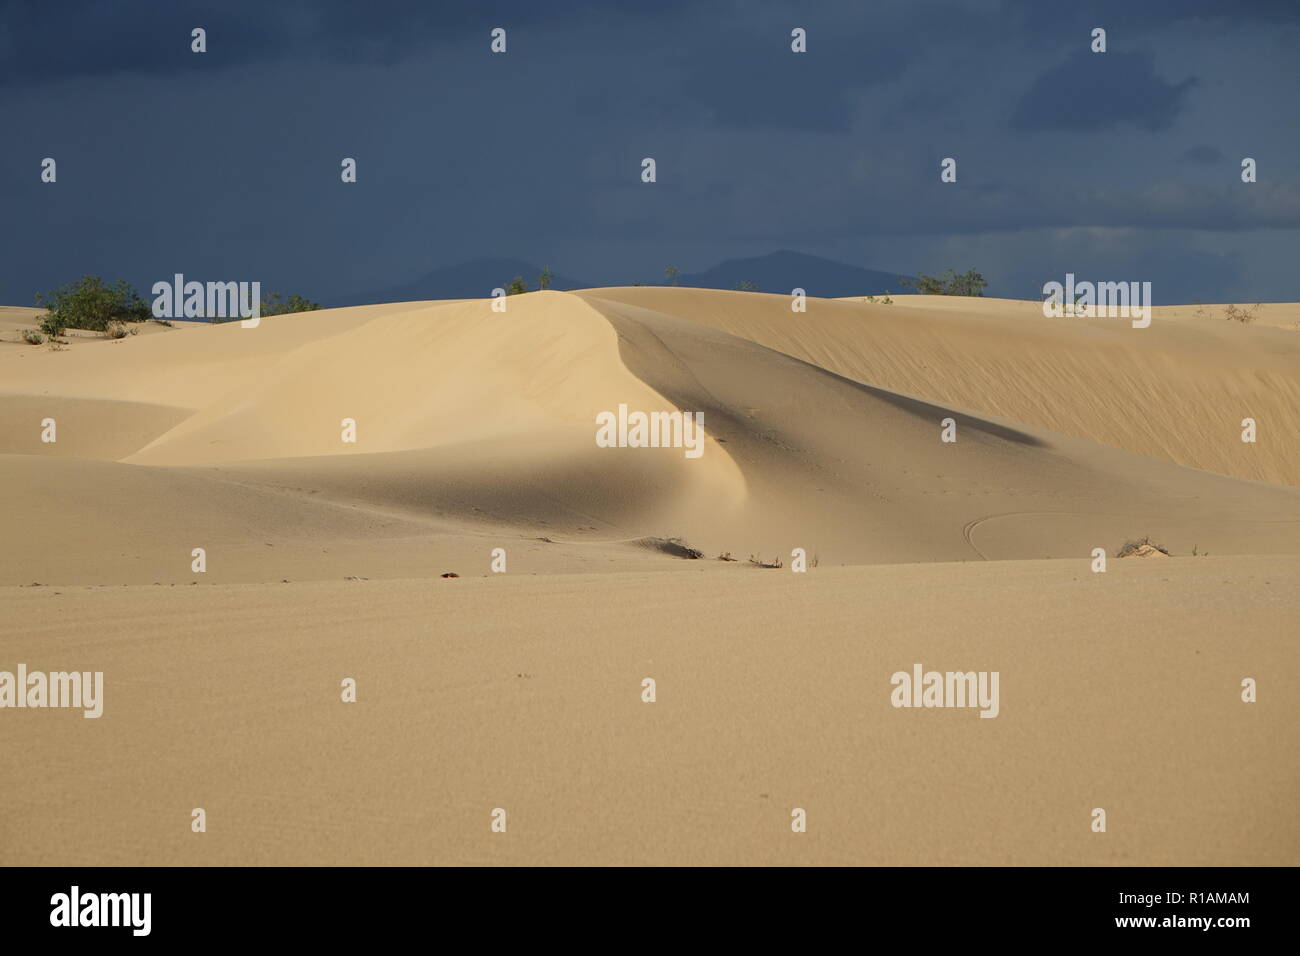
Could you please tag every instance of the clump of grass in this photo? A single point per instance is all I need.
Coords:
(760, 563)
(726, 556)
(166, 322)
(32, 337)
(115, 330)
(1133, 547)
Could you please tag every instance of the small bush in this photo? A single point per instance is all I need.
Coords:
(1244, 316)
(32, 337)
(115, 330)
(969, 283)
(52, 327)
(760, 563)
(276, 304)
(91, 304)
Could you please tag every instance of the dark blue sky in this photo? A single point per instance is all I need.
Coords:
(225, 165)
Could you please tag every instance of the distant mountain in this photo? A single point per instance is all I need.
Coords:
(469, 280)
(776, 272)
(785, 270)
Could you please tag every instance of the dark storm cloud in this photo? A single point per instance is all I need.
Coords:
(747, 79)
(227, 163)
(50, 42)
(1117, 15)
(1204, 155)
(44, 42)
(1098, 91)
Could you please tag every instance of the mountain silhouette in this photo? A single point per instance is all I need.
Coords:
(777, 272)
(474, 279)
(782, 271)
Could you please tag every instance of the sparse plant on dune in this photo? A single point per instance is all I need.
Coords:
(760, 563)
(32, 337)
(1142, 547)
(744, 285)
(670, 274)
(726, 556)
(1244, 316)
(544, 280)
(516, 286)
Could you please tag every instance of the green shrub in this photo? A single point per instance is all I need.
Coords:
(32, 337)
(276, 304)
(969, 283)
(51, 326)
(90, 304)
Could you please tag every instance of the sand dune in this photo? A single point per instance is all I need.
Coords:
(475, 430)
(1177, 390)
(798, 454)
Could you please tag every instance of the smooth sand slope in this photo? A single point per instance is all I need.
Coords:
(475, 431)
(1177, 390)
(523, 692)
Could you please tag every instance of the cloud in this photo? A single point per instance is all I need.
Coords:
(42, 42)
(1203, 155)
(1098, 91)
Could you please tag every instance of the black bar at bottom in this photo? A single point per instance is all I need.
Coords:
(211, 905)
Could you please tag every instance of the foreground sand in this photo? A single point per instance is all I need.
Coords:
(522, 690)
